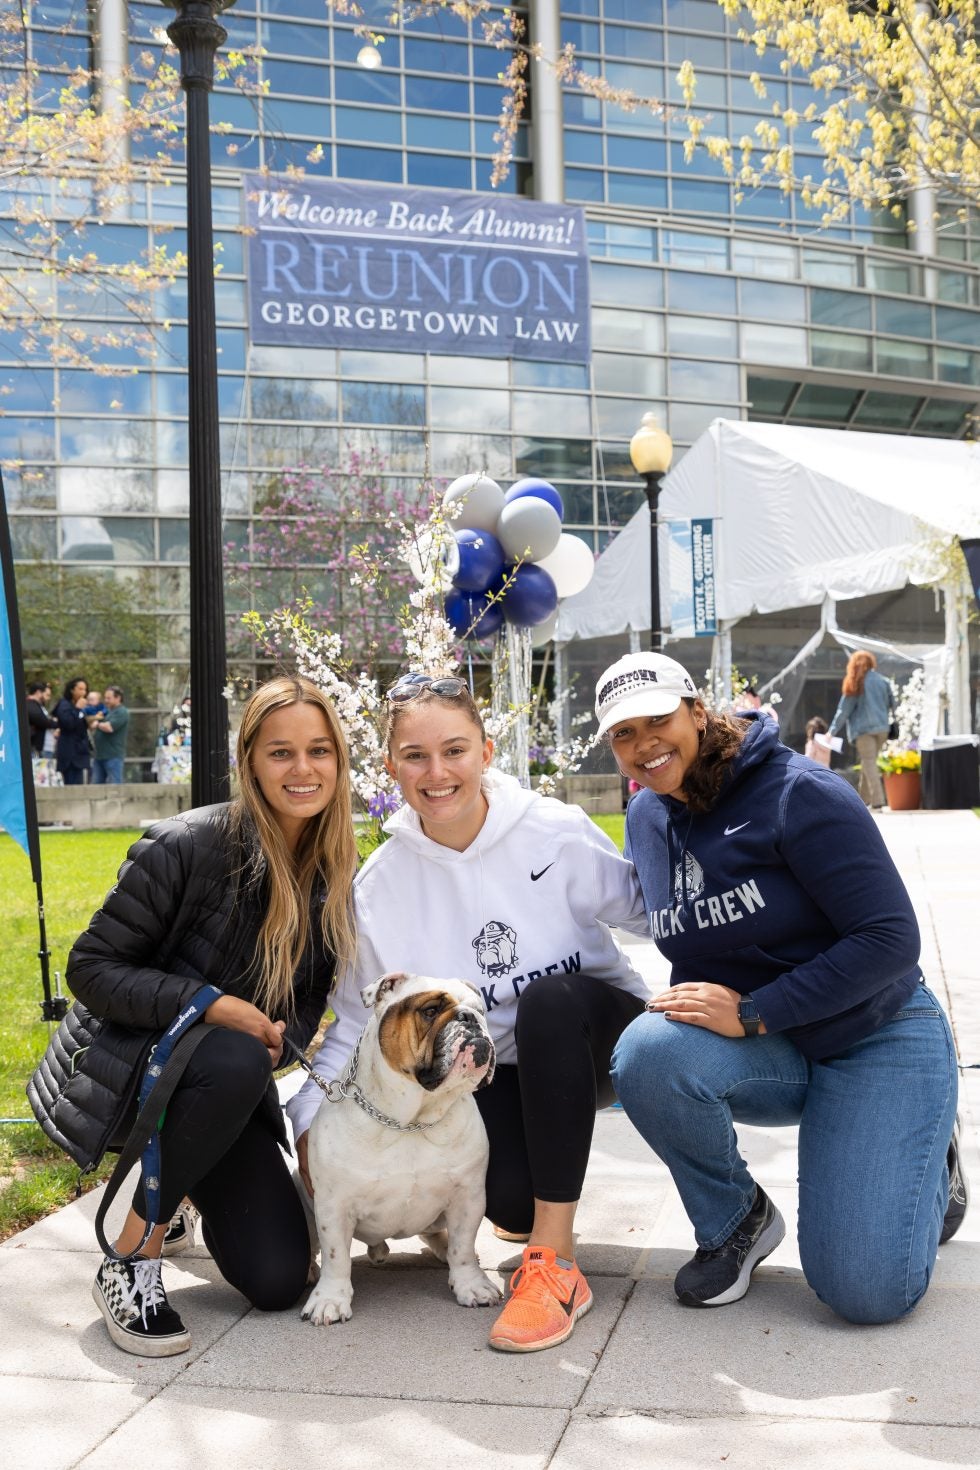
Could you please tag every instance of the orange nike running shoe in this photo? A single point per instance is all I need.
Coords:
(546, 1301)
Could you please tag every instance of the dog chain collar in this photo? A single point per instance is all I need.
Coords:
(337, 1090)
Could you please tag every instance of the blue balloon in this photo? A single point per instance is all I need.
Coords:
(472, 617)
(531, 598)
(541, 488)
(481, 560)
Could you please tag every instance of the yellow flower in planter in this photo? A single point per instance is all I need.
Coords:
(895, 760)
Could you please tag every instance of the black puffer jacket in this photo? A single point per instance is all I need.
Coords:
(186, 911)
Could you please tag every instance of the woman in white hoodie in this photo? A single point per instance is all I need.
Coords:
(515, 892)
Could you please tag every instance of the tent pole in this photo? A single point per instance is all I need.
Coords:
(561, 696)
(958, 658)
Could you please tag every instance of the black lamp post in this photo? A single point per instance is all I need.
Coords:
(197, 35)
(651, 450)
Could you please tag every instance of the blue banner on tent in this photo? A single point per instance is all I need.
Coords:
(13, 811)
(389, 269)
(703, 576)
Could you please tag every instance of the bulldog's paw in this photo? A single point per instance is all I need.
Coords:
(328, 1302)
(473, 1288)
(378, 1254)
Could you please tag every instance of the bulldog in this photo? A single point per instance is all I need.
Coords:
(421, 1169)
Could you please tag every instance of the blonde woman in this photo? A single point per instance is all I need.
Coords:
(251, 897)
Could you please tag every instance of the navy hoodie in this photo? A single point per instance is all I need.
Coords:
(783, 891)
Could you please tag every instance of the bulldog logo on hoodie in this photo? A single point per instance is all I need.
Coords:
(688, 880)
(496, 948)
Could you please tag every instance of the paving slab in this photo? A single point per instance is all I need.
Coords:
(194, 1428)
(53, 1329)
(48, 1426)
(779, 1352)
(637, 1442)
(408, 1338)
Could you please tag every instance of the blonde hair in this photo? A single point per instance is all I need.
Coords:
(327, 851)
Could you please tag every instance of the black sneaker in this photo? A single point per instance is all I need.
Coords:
(180, 1232)
(131, 1298)
(959, 1190)
(716, 1277)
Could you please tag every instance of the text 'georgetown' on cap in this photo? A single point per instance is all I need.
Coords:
(641, 684)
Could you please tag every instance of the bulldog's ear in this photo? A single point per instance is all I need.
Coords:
(371, 994)
(476, 991)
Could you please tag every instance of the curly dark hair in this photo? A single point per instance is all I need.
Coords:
(719, 744)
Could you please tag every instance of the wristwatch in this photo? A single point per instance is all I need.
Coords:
(748, 1014)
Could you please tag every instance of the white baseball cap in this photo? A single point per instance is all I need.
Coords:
(641, 684)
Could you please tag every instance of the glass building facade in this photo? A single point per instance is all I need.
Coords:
(702, 307)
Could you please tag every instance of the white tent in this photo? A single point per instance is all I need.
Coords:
(802, 516)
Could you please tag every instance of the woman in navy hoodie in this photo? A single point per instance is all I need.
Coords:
(796, 998)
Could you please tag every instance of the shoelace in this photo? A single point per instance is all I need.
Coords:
(537, 1278)
(147, 1284)
(738, 1239)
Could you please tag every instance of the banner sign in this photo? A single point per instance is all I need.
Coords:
(388, 269)
(703, 576)
(15, 769)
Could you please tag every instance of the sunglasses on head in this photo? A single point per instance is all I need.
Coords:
(409, 686)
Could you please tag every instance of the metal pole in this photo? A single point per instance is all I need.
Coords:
(197, 35)
(652, 482)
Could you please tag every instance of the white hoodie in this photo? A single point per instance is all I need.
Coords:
(532, 895)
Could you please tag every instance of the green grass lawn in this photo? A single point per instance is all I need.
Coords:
(79, 868)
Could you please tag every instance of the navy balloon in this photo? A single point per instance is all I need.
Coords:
(481, 560)
(541, 488)
(531, 598)
(472, 617)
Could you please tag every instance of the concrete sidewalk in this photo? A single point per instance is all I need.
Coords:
(773, 1381)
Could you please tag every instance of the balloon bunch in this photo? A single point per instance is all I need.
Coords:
(515, 562)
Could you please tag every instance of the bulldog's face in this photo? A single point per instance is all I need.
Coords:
(432, 1030)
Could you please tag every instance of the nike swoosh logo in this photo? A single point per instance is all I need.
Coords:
(729, 831)
(536, 876)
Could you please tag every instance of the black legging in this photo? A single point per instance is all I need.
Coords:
(219, 1151)
(540, 1113)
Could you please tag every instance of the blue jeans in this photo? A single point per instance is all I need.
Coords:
(875, 1123)
(107, 772)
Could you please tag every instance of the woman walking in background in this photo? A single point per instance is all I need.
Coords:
(865, 710)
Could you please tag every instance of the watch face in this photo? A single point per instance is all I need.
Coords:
(748, 1011)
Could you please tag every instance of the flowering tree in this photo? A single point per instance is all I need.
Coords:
(74, 144)
(326, 540)
(898, 84)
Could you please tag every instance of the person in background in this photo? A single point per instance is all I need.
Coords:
(796, 997)
(813, 751)
(38, 719)
(866, 706)
(73, 757)
(95, 707)
(109, 739)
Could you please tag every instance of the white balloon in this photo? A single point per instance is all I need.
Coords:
(433, 557)
(544, 632)
(529, 529)
(570, 566)
(473, 503)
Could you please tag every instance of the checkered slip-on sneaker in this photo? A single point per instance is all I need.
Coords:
(180, 1232)
(131, 1298)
